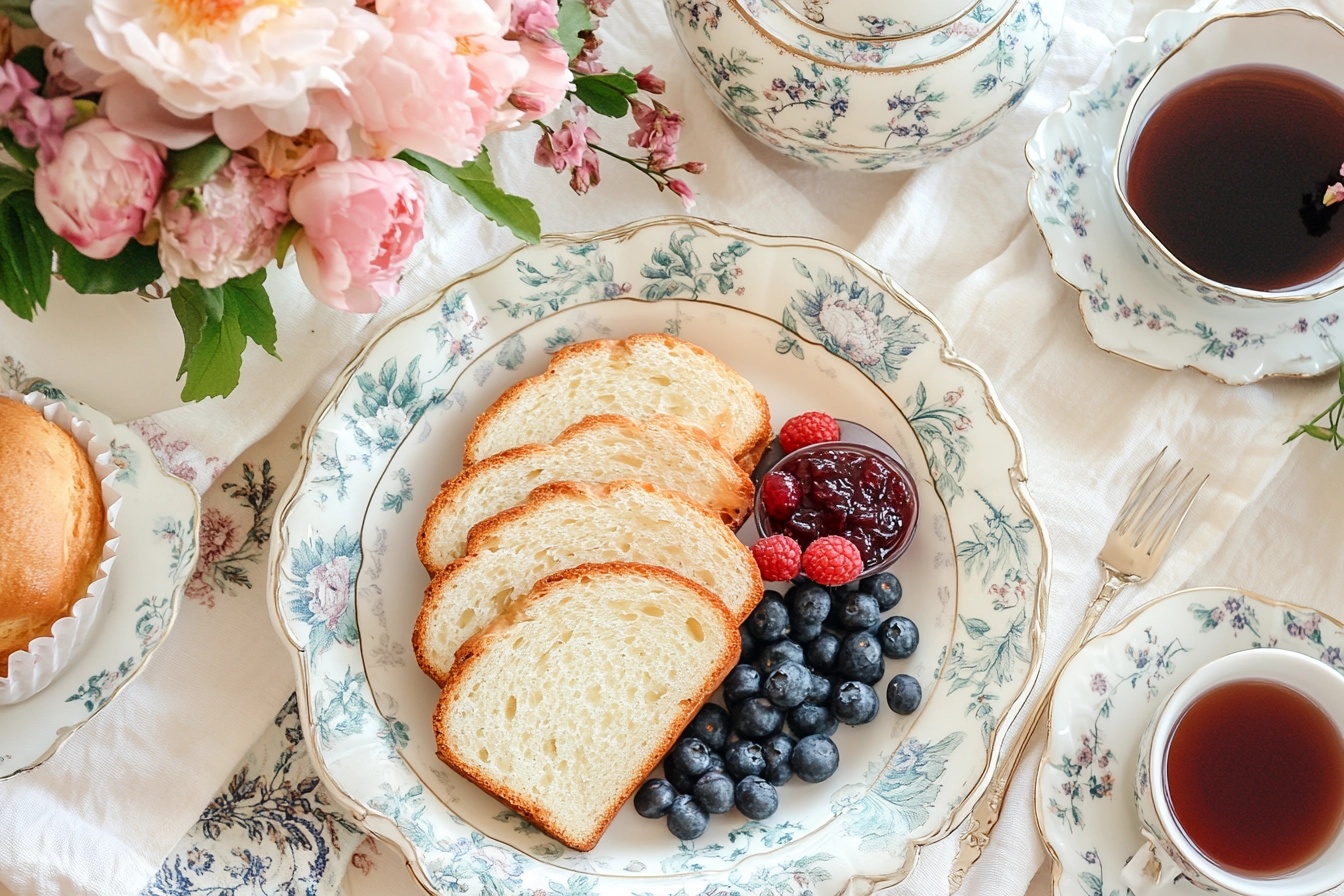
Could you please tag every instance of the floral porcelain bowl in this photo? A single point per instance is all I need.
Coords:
(876, 19)
(863, 117)
(885, 49)
(1287, 38)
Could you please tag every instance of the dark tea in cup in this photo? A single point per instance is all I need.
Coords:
(1228, 172)
(1255, 777)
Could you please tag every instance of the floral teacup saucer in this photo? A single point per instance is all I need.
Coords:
(1128, 307)
(1105, 698)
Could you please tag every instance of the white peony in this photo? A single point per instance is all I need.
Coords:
(176, 70)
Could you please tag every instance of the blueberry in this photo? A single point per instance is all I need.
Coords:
(742, 682)
(854, 703)
(815, 758)
(820, 652)
(756, 798)
(779, 652)
(714, 792)
(788, 684)
(715, 763)
(809, 604)
(777, 748)
(904, 694)
(859, 612)
(769, 621)
(898, 637)
(803, 633)
(743, 759)
(709, 725)
(654, 798)
(885, 587)
(820, 690)
(689, 756)
(751, 648)
(812, 718)
(687, 819)
(756, 717)
(860, 658)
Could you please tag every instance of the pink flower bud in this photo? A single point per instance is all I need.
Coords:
(1333, 193)
(694, 167)
(648, 82)
(682, 189)
(99, 189)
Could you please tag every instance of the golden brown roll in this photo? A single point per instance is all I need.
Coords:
(51, 525)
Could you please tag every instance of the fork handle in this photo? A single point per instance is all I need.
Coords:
(987, 808)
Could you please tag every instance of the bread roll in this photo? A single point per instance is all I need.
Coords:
(51, 525)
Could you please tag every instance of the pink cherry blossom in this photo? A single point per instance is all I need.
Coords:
(648, 82)
(223, 229)
(361, 218)
(35, 122)
(658, 132)
(569, 145)
(100, 188)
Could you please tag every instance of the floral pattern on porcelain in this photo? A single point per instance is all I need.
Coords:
(1106, 696)
(155, 558)
(796, 311)
(859, 114)
(1128, 307)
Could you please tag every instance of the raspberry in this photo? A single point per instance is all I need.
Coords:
(777, 557)
(808, 429)
(780, 493)
(832, 560)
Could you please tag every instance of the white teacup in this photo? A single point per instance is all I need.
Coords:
(1289, 38)
(1170, 852)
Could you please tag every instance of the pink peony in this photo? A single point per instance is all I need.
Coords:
(442, 82)
(100, 188)
(225, 228)
(361, 218)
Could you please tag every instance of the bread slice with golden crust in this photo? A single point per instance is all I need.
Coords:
(639, 376)
(562, 706)
(662, 450)
(566, 524)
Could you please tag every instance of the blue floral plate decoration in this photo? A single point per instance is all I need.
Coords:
(158, 524)
(1107, 695)
(1128, 305)
(811, 327)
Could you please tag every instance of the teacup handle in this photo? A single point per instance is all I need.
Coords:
(1150, 872)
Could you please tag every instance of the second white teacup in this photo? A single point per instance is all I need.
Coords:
(1253, 736)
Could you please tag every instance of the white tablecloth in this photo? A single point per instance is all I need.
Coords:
(102, 816)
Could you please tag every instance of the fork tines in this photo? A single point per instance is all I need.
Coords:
(1158, 503)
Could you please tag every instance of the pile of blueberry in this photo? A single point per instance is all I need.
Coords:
(810, 659)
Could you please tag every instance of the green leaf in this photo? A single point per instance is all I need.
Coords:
(32, 59)
(19, 12)
(25, 265)
(21, 154)
(216, 325)
(132, 268)
(248, 298)
(475, 182)
(286, 239)
(192, 167)
(606, 94)
(12, 180)
(574, 19)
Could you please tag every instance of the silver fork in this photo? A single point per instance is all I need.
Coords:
(1133, 551)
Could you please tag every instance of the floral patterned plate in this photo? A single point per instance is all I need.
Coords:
(1105, 698)
(1128, 307)
(155, 558)
(811, 327)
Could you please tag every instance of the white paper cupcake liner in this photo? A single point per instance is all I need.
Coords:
(33, 669)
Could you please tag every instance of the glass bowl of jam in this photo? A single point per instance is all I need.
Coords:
(841, 488)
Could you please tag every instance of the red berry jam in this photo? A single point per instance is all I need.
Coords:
(845, 489)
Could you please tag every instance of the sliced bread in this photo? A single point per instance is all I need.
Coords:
(639, 376)
(566, 524)
(661, 450)
(562, 706)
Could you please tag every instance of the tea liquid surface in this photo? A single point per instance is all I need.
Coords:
(1225, 165)
(1255, 777)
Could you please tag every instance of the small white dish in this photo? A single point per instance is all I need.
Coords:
(1128, 307)
(157, 522)
(1106, 696)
